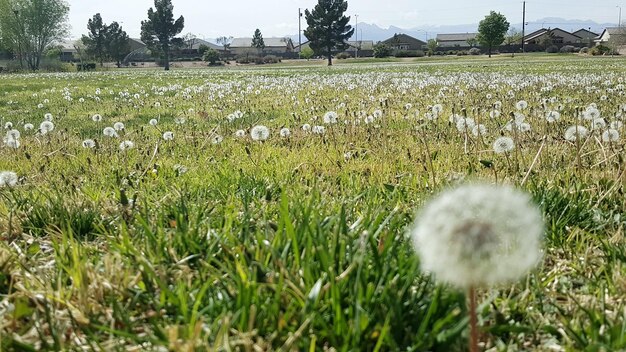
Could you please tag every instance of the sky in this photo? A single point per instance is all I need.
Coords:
(277, 18)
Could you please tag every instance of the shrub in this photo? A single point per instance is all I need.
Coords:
(552, 49)
(307, 53)
(271, 59)
(87, 66)
(212, 56)
(474, 51)
(584, 50)
(600, 50)
(461, 53)
(343, 55)
(56, 65)
(202, 49)
(259, 60)
(567, 49)
(246, 59)
(382, 50)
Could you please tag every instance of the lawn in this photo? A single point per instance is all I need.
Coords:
(153, 211)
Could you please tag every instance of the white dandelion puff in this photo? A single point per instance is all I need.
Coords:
(330, 117)
(153, 122)
(306, 127)
(479, 129)
(8, 179)
(110, 132)
(46, 126)
(503, 145)
(259, 133)
(28, 127)
(598, 124)
(96, 118)
(217, 139)
(240, 133)
(318, 130)
(521, 105)
(126, 145)
(89, 143)
(479, 235)
(168, 135)
(11, 142)
(285, 132)
(610, 136)
(574, 133)
(118, 126)
(47, 117)
(553, 116)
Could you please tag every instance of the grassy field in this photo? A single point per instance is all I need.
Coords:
(181, 230)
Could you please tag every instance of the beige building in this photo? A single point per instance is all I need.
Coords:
(455, 39)
(273, 46)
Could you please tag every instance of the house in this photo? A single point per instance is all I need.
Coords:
(555, 36)
(403, 42)
(69, 50)
(455, 39)
(612, 35)
(135, 43)
(273, 46)
(587, 36)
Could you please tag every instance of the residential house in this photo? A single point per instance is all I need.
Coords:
(455, 39)
(555, 36)
(273, 46)
(135, 43)
(403, 42)
(69, 50)
(586, 36)
(612, 36)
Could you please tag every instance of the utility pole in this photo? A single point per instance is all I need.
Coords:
(523, 26)
(299, 33)
(619, 21)
(356, 34)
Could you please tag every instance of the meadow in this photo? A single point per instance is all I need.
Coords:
(254, 209)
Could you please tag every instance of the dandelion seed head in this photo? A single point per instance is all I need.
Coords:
(478, 235)
(217, 139)
(8, 179)
(574, 133)
(126, 145)
(47, 117)
(110, 132)
(96, 118)
(330, 117)
(168, 135)
(89, 143)
(610, 136)
(118, 126)
(28, 126)
(285, 132)
(46, 126)
(153, 122)
(240, 133)
(259, 133)
(503, 145)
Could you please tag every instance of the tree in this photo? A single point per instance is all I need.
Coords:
(306, 53)
(224, 41)
(117, 43)
(30, 27)
(160, 30)
(472, 42)
(328, 28)
(95, 40)
(189, 40)
(212, 56)
(513, 37)
(257, 40)
(491, 30)
(432, 46)
(382, 50)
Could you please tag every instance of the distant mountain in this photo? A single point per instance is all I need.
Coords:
(373, 32)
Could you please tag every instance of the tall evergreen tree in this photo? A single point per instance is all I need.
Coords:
(117, 43)
(95, 40)
(160, 30)
(257, 40)
(328, 28)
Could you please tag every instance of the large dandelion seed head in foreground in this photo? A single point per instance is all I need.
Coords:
(574, 133)
(479, 235)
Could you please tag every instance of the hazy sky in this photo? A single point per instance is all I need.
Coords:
(239, 18)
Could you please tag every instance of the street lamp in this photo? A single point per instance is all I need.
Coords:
(619, 21)
(356, 34)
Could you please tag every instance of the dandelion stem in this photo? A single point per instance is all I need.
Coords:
(473, 320)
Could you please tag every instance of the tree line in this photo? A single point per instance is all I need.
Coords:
(30, 27)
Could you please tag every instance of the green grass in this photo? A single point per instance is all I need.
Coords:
(104, 249)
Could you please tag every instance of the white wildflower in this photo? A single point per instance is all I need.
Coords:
(503, 145)
(8, 179)
(259, 133)
(574, 133)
